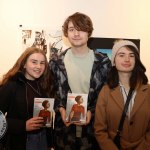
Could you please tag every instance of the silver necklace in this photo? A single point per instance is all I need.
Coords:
(37, 91)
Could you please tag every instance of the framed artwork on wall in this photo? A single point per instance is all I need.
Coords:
(48, 39)
(52, 41)
(105, 45)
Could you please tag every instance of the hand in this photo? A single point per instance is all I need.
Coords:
(63, 116)
(34, 123)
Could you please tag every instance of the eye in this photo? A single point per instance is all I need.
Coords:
(132, 55)
(42, 63)
(34, 62)
(71, 29)
(121, 55)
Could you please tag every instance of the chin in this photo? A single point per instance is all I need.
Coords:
(37, 76)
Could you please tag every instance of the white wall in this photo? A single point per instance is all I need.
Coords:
(111, 18)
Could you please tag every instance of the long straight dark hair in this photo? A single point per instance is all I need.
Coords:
(138, 76)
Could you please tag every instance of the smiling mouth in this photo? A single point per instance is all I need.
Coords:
(38, 72)
(126, 65)
(76, 39)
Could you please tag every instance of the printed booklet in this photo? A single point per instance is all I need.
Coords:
(43, 107)
(76, 107)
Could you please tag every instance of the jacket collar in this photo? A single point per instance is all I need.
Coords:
(59, 60)
(139, 98)
(99, 60)
(20, 77)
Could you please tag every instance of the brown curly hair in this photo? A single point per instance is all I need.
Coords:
(77, 98)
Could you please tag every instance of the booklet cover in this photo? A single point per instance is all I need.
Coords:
(76, 107)
(43, 107)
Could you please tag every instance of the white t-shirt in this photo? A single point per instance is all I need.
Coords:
(79, 70)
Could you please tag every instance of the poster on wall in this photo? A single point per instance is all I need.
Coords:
(51, 41)
(104, 45)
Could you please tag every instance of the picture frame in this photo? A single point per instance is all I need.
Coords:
(105, 45)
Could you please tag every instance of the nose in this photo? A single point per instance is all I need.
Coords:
(127, 58)
(38, 65)
(76, 32)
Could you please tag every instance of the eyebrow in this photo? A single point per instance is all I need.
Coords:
(37, 60)
(124, 53)
(71, 27)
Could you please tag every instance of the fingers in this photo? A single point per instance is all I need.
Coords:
(67, 124)
(34, 123)
(80, 123)
(37, 120)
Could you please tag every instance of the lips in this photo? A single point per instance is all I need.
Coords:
(37, 72)
(126, 65)
(76, 39)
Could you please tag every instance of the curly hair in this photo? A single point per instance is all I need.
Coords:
(77, 98)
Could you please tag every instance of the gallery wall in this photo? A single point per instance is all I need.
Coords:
(111, 19)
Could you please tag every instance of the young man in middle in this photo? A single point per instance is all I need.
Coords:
(78, 70)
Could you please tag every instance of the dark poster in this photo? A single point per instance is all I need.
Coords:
(105, 45)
